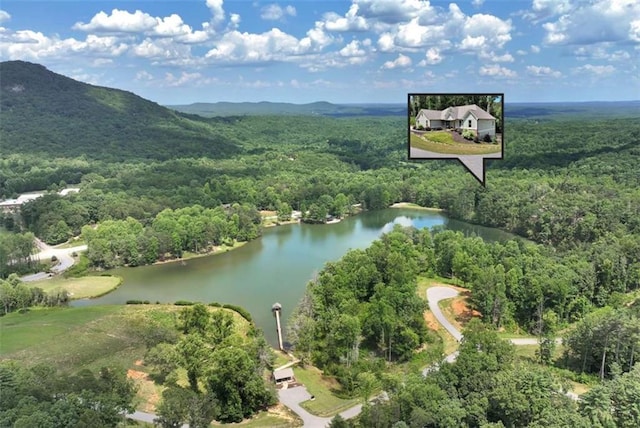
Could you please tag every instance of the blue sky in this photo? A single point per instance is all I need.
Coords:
(179, 52)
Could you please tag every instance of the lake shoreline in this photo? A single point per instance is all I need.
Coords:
(218, 250)
(411, 205)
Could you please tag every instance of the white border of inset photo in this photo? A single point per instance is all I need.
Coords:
(456, 119)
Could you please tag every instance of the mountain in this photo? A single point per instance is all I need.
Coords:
(52, 115)
(320, 108)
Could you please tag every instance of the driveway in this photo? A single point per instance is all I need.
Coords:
(434, 295)
(292, 397)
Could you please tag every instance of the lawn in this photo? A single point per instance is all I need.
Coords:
(85, 287)
(326, 403)
(444, 143)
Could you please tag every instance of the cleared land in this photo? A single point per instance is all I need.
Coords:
(442, 142)
(86, 287)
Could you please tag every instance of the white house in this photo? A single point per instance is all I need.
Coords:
(466, 117)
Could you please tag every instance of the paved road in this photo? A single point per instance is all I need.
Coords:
(65, 260)
(434, 295)
(146, 417)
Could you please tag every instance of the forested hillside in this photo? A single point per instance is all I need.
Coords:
(52, 115)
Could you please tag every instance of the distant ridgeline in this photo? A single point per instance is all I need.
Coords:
(288, 109)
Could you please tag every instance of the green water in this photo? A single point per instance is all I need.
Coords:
(273, 268)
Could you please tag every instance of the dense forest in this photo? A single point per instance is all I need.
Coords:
(155, 183)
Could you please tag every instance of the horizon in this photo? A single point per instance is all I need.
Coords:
(398, 103)
(375, 51)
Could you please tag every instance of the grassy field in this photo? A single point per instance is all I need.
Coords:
(326, 403)
(448, 146)
(86, 287)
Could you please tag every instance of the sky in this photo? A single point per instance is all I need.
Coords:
(359, 51)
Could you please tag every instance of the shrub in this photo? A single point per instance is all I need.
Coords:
(134, 302)
(487, 138)
(183, 303)
(438, 128)
(240, 310)
(468, 134)
(215, 304)
(54, 259)
(420, 127)
(427, 128)
(476, 139)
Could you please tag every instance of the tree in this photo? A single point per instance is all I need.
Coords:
(194, 354)
(339, 422)
(195, 319)
(232, 377)
(367, 384)
(284, 211)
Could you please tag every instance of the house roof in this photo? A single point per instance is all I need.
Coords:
(456, 112)
(283, 373)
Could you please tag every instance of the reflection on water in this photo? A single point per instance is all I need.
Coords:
(274, 268)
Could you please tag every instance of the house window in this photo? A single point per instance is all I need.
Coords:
(469, 125)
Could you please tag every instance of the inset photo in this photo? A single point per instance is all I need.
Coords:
(452, 125)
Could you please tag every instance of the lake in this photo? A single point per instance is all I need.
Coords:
(273, 268)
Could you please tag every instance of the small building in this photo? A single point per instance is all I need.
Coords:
(468, 117)
(283, 375)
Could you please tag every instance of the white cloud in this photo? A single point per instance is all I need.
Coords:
(122, 21)
(599, 70)
(352, 49)
(273, 45)
(143, 75)
(494, 57)
(535, 49)
(161, 49)
(546, 9)
(393, 11)
(217, 12)
(496, 31)
(601, 52)
(473, 43)
(477, 3)
(432, 57)
(596, 21)
(101, 62)
(32, 45)
(350, 22)
(193, 79)
(4, 16)
(234, 21)
(521, 52)
(402, 61)
(495, 70)
(413, 34)
(119, 21)
(274, 12)
(542, 71)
